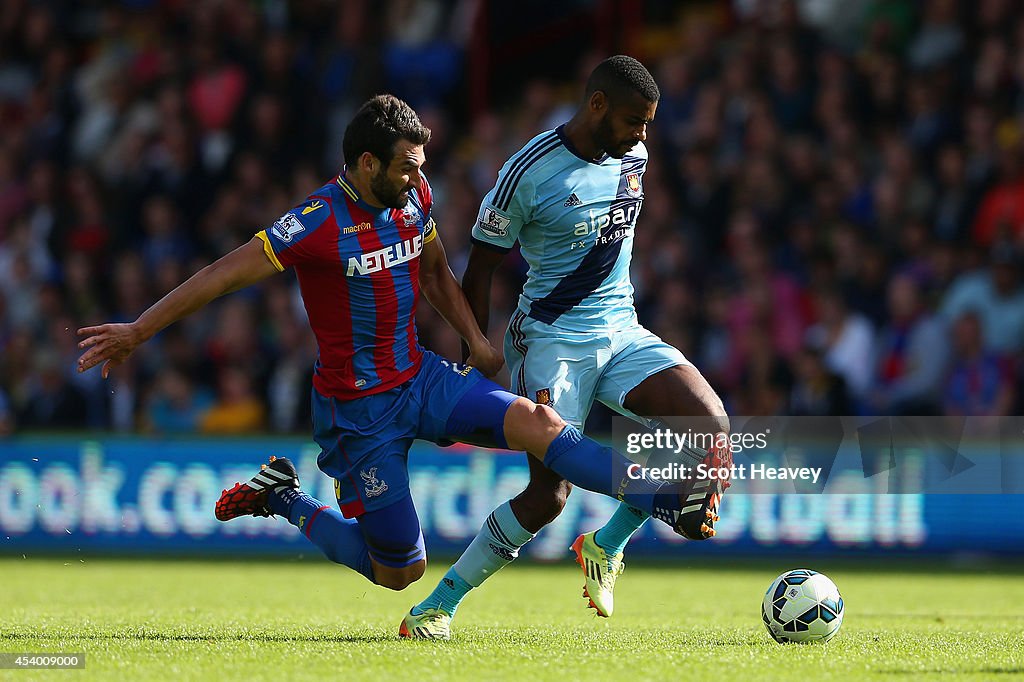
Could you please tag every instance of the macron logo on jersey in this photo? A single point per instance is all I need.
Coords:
(387, 257)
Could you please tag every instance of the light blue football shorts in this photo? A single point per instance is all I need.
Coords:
(570, 370)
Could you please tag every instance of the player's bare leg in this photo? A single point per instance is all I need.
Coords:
(679, 390)
(682, 391)
(397, 578)
(569, 455)
(543, 499)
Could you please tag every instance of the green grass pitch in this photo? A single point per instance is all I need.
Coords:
(311, 620)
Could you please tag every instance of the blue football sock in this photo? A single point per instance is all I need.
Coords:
(494, 547)
(585, 463)
(613, 536)
(340, 539)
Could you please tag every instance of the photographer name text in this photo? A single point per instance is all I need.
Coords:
(750, 472)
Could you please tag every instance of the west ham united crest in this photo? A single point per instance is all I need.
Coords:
(633, 184)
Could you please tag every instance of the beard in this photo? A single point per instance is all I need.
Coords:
(387, 193)
(605, 138)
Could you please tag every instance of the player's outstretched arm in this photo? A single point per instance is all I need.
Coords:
(111, 344)
(442, 290)
(476, 282)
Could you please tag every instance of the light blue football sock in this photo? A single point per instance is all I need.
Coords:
(447, 596)
(613, 536)
(494, 547)
(340, 539)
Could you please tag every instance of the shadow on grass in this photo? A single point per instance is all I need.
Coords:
(474, 636)
(143, 636)
(947, 671)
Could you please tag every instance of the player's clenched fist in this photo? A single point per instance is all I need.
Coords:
(110, 342)
(485, 358)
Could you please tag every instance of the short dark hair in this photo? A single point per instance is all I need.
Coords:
(620, 75)
(378, 125)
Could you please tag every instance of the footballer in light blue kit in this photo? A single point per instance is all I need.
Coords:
(364, 248)
(571, 197)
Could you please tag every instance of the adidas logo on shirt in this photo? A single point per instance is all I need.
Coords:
(573, 200)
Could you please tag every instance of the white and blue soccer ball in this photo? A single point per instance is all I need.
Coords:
(802, 606)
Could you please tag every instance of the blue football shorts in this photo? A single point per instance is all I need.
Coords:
(365, 442)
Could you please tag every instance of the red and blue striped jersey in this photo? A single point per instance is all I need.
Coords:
(358, 271)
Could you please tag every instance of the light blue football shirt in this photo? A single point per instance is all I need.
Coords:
(574, 220)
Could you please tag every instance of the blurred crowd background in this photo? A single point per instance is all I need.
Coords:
(833, 223)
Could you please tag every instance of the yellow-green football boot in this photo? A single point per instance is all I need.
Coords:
(599, 571)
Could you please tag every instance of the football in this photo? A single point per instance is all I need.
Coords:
(802, 606)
